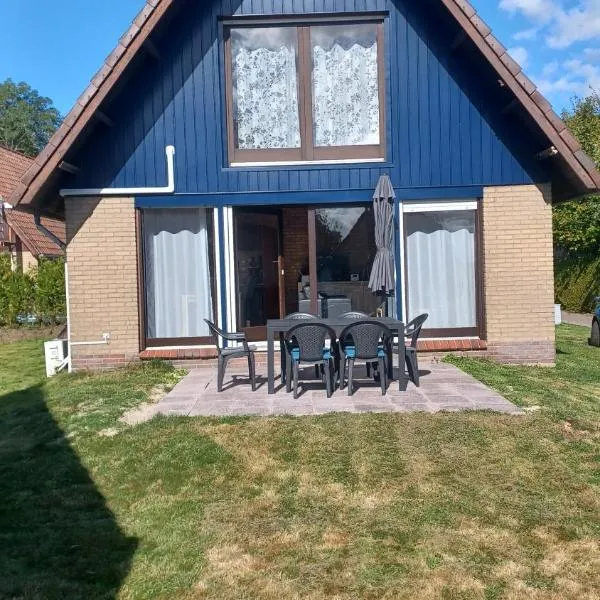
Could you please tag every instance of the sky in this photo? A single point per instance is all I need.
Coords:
(58, 45)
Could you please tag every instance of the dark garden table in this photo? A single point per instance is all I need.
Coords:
(282, 326)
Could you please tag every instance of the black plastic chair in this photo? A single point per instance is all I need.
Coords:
(413, 331)
(285, 354)
(226, 354)
(366, 341)
(306, 344)
(356, 314)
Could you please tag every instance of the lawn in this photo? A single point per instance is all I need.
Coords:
(450, 506)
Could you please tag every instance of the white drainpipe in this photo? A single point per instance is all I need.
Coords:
(169, 189)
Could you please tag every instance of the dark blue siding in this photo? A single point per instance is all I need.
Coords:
(443, 127)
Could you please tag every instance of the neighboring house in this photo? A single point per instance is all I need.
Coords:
(283, 112)
(19, 234)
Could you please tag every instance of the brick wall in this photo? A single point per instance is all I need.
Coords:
(102, 269)
(519, 274)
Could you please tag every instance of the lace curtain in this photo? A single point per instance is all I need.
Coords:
(177, 272)
(266, 98)
(345, 96)
(441, 268)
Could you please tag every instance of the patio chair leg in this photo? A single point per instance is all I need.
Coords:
(220, 374)
(342, 372)
(282, 361)
(252, 371)
(382, 376)
(350, 375)
(412, 366)
(295, 368)
(289, 373)
(327, 371)
(368, 370)
(317, 372)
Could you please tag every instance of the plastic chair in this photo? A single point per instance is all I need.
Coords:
(413, 331)
(306, 344)
(356, 314)
(226, 354)
(285, 355)
(369, 341)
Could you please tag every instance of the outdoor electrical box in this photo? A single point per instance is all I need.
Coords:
(56, 352)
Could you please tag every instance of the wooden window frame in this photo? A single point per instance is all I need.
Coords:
(145, 341)
(307, 152)
(479, 331)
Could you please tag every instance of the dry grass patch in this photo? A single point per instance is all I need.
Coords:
(344, 506)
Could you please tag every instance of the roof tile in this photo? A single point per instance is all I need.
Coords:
(23, 224)
(13, 165)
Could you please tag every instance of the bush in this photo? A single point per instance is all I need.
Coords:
(577, 283)
(50, 303)
(17, 296)
(40, 292)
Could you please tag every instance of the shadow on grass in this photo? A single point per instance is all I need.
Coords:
(58, 538)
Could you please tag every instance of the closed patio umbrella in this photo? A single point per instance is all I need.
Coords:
(382, 274)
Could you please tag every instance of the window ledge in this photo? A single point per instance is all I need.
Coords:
(302, 163)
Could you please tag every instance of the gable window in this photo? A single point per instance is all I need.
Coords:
(307, 91)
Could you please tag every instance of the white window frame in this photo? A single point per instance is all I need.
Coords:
(407, 207)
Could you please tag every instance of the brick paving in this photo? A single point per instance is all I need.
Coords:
(443, 388)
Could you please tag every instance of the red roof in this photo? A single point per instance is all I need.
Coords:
(37, 242)
(13, 166)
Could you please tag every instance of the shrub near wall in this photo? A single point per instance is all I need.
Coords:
(577, 283)
(40, 293)
(17, 292)
(50, 303)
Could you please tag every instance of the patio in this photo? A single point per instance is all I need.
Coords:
(443, 388)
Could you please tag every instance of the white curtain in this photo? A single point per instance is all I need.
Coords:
(441, 268)
(177, 273)
(266, 98)
(345, 95)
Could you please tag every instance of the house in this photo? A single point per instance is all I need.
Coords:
(217, 135)
(19, 234)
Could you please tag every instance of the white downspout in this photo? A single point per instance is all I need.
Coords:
(169, 189)
(67, 300)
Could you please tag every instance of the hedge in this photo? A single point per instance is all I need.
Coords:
(577, 283)
(40, 292)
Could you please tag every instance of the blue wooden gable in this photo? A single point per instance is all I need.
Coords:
(446, 122)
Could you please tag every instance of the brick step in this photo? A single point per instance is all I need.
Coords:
(208, 355)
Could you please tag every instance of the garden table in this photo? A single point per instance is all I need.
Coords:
(282, 326)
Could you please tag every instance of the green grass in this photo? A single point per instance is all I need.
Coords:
(451, 506)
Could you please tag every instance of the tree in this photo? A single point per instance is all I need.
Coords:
(577, 223)
(27, 120)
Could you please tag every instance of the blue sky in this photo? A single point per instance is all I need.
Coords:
(57, 45)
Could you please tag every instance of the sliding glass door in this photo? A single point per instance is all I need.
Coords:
(178, 275)
(345, 250)
(259, 270)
